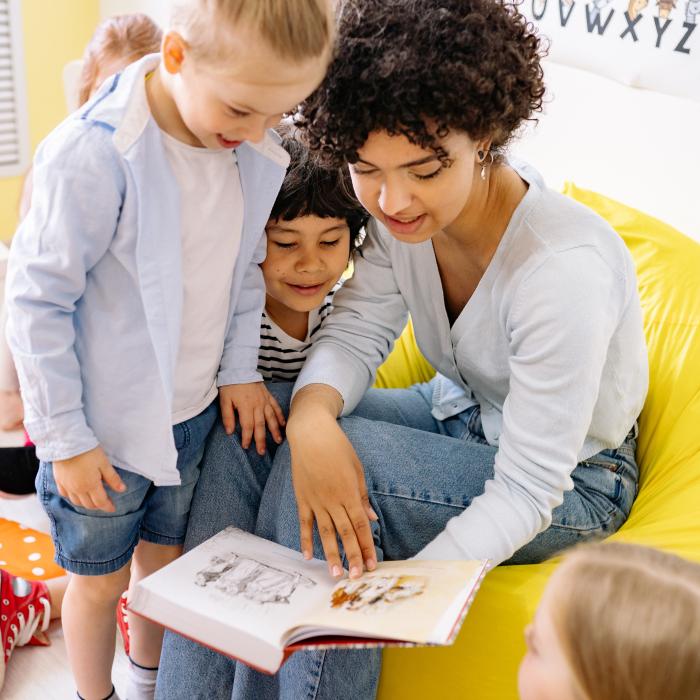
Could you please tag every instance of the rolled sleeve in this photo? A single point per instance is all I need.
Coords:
(78, 191)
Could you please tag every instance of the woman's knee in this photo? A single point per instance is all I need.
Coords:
(407, 407)
(278, 515)
(282, 392)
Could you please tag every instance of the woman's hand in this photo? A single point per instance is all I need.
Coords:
(329, 482)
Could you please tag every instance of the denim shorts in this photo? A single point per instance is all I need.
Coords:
(93, 542)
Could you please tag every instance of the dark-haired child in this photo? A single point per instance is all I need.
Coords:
(315, 225)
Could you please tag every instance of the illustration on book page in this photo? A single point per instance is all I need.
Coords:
(376, 593)
(236, 575)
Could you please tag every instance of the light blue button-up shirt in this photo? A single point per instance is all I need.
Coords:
(94, 289)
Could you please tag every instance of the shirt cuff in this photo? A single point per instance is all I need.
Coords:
(347, 375)
(233, 376)
(61, 437)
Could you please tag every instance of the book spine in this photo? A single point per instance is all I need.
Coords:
(468, 603)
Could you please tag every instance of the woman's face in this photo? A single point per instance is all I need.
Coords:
(408, 189)
(544, 671)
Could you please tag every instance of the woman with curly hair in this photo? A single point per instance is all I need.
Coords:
(524, 301)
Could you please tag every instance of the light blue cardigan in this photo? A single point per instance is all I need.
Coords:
(94, 288)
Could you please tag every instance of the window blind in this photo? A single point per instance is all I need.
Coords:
(14, 142)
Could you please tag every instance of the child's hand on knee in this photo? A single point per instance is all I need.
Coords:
(79, 479)
(256, 408)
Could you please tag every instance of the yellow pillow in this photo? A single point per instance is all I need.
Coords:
(483, 663)
(667, 511)
(405, 365)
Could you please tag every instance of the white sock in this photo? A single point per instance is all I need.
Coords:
(112, 696)
(141, 682)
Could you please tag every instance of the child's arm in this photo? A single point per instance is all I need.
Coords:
(240, 384)
(79, 186)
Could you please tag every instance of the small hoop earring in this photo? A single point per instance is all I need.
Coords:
(484, 164)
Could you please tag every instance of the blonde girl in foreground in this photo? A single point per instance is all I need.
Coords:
(616, 622)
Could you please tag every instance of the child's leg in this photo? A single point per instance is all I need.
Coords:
(146, 638)
(57, 591)
(96, 547)
(89, 625)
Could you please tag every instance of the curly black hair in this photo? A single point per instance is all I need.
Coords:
(422, 68)
(311, 188)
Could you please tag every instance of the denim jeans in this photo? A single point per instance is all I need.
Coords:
(420, 472)
(94, 542)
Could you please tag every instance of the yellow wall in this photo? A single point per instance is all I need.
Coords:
(54, 33)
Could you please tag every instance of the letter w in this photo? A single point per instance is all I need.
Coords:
(593, 21)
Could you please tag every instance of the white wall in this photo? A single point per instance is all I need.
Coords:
(158, 9)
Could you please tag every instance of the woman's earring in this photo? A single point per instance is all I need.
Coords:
(482, 160)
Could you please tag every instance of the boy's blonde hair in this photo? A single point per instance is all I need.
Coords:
(295, 29)
(628, 618)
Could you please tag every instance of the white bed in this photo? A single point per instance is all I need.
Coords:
(622, 117)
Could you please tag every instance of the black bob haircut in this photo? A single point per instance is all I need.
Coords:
(311, 188)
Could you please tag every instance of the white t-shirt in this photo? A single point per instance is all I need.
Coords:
(211, 206)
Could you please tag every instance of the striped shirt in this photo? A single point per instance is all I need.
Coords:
(281, 357)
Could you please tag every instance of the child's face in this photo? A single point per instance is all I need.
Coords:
(222, 104)
(544, 671)
(305, 258)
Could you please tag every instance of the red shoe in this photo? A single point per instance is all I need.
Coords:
(25, 612)
(123, 621)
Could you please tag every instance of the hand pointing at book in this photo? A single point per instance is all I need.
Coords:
(334, 495)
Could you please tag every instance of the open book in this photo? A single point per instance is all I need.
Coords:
(258, 602)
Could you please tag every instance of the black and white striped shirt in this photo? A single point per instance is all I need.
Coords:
(281, 357)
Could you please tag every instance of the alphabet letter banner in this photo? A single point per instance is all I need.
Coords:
(650, 44)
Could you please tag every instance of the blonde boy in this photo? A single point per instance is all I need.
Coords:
(135, 296)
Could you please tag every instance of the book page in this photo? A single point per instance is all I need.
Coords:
(404, 600)
(242, 580)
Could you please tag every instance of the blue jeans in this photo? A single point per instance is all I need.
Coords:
(420, 473)
(94, 542)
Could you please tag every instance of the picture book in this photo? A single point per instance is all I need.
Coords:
(258, 601)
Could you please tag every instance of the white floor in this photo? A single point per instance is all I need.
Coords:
(42, 673)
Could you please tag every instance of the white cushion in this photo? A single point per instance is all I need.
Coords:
(651, 44)
(639, 147)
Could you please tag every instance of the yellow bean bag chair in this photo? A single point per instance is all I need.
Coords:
(482, 665)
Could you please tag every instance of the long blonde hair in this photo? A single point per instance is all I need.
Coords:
(123, 36)
(127, 36)
(628, 618)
